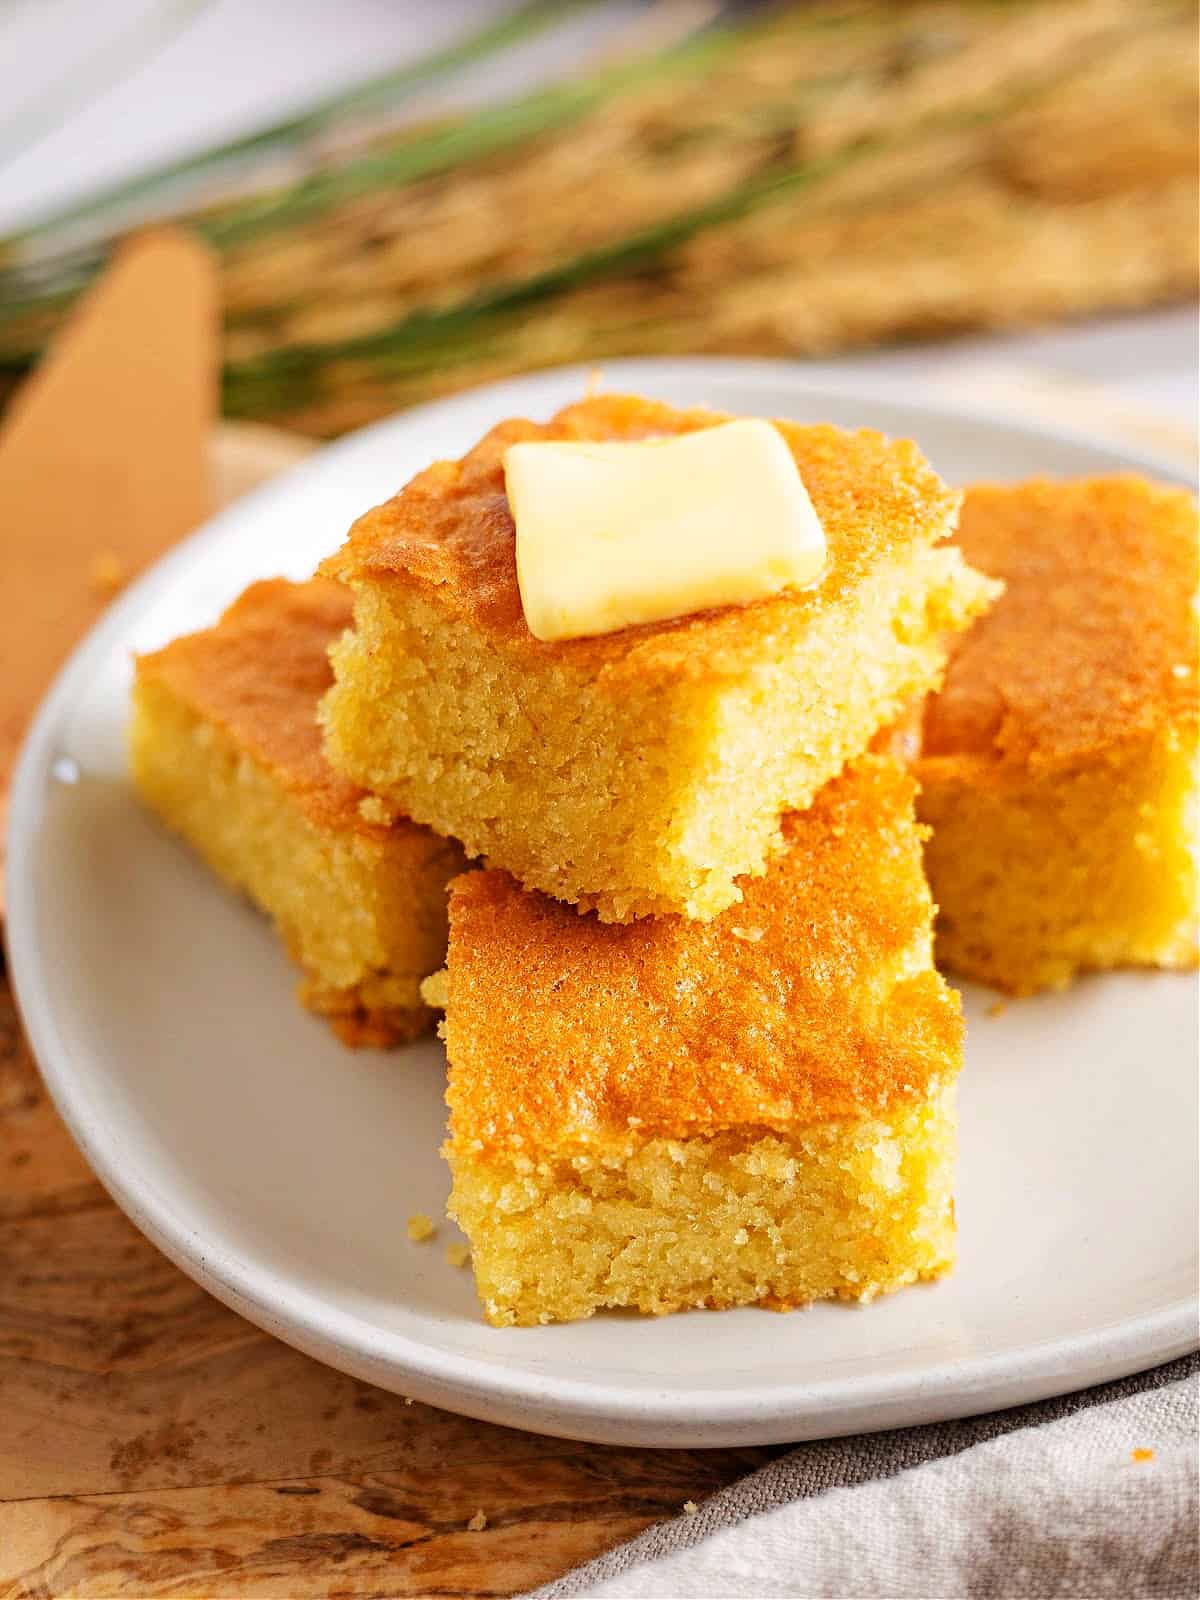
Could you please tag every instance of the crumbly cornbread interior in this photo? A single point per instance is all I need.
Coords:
(225, 748)
(1060, 766)
(1042, 875)
(643, 772)
(671, 1113)
(841, 1209)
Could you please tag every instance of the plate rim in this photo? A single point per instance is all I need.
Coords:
(521, 1397)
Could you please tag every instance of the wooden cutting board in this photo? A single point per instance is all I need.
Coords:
(153, 1443)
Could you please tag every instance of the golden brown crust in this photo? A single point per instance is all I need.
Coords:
(259, 675)
(450, 531)
(784, 1011)
(1093, 642)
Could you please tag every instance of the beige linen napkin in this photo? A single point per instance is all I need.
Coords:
(1045, 1500)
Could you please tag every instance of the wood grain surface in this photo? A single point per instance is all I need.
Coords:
(153, 1443)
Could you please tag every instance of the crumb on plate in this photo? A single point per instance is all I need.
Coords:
(109, 573)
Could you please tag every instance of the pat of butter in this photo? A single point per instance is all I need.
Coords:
(613, 534)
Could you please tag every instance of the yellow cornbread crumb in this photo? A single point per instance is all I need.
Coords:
(109, 573)
(1141, 1455)
(458, 1254)
(478, 1522)
(690, 1507)
(433, 990)
(420, 1227)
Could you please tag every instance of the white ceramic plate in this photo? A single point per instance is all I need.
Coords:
(278, 1169)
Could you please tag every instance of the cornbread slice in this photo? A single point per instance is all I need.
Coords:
(642, 771)
(670, 1113)
(1059, 773)
(226, 749)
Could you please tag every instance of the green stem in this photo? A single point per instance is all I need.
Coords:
(428, 335)
(475, 138)
(427, 329)
(423, 334)
(27, 286)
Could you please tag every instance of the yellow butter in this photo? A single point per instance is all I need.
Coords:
(615, 533)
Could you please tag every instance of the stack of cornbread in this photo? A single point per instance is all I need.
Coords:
(644, 667)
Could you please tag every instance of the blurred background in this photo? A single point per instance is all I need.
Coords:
(407, 199)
